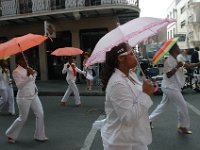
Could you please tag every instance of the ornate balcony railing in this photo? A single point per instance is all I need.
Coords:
(14, 7)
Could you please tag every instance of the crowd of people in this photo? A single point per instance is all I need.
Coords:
(127, 125)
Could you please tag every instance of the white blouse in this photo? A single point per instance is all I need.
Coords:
(177, 81)
(126, 107)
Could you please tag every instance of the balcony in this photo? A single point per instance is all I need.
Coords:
(20, 11)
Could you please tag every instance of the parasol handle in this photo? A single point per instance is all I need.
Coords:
(144, 76)
(25, 59)
(23, 55)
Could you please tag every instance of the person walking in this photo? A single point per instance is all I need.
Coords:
(6, 89)
(71, 70)
(88, 70)
(172, 84)
(27, 98)
(195, 55)
(126, 126)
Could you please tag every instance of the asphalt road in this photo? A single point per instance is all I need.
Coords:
(70, 128)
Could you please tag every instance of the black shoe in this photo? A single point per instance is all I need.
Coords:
(11, 140)
(43, 140)
(151, 125)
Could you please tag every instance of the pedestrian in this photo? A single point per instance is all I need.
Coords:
(27, 98)
(126, 126)
(88, 70)
(172, 84)
(6, 89)
(71, 70)
(184, 56)
(195, 55)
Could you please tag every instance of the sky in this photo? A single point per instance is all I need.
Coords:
(154, 8)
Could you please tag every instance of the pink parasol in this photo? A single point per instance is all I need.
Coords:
(133, 32)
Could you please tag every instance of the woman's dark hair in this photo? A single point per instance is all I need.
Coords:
(175, 46)
(111, 63)
(18, 57)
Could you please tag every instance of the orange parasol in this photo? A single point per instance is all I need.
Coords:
(20, 44)
(67, 51)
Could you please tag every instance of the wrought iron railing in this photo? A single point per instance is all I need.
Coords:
(14, 7)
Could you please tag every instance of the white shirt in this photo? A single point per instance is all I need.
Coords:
(126, 107)
(182, 58)
(25, 84)
(177, 81)
(69, 71)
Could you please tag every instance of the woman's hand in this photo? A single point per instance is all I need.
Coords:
(179, 64)
(148, 88)
(30, 71)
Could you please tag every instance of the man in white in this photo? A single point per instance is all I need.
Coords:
(71, 70)
(126, 126)
(27, 98)
(183, 56)
(6, 89)
(173, 82)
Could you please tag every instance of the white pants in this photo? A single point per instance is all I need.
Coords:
(24, 106)
(7, 97)
(72, 88)
(175, 97)
(126, 147)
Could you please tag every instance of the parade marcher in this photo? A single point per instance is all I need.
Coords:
(6, 89)
(184, 56)
(195, 55)
(87, 70)
(71, 70)
(173, 82)
(27, 98)
(126, 126)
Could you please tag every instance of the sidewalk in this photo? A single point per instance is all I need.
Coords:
(58, 88)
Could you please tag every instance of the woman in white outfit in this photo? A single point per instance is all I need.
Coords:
(6, 89)
(126, 126)
(71, 70)
(88, 70)
(27, 98)
(173, 82)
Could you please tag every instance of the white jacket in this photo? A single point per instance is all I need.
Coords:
(69, 72)
(25, 84)
(126, 107)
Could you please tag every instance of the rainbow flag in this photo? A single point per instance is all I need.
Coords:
(164, 50)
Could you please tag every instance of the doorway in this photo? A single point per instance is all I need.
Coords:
(88, 40)
(55, 63)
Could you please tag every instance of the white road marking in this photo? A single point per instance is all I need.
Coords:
(194, 109)
(90, 137)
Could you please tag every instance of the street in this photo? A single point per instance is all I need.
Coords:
(70, 128)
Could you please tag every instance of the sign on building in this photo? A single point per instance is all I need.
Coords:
(182, 37)
(49, 29)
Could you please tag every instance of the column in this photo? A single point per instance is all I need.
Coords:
(43, 62)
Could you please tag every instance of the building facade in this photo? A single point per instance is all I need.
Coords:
(187, 26)
(77, 23)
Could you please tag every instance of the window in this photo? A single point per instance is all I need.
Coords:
(170, 33)
(182, 9)
(189, 3)
(182, 23)
(174, 32)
